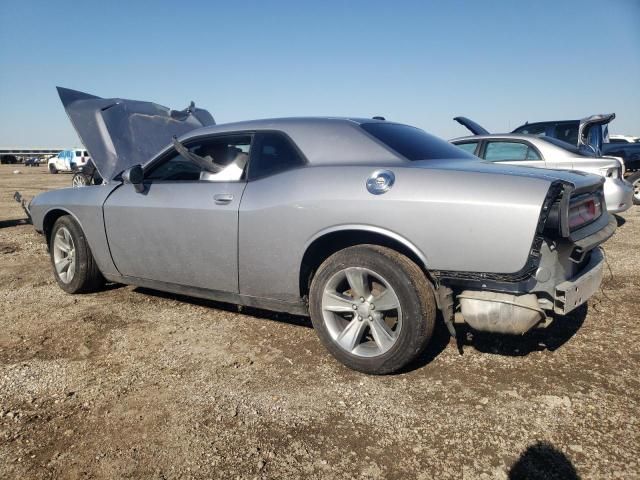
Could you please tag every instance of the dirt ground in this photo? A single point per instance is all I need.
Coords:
(133, 383)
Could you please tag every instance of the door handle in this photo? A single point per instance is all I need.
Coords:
(223, 198)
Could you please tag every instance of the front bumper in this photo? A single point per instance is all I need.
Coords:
(618, 194)
(572, 293)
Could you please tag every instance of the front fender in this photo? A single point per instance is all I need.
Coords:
(85, 206)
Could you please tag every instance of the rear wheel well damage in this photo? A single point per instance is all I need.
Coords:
(330, 243)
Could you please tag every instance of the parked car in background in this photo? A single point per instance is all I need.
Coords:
(8, 159)
(548, 152)
(68, 160)
(32, 162)
(86, 175)
(591, 134)
(623, 139)
(629, 152)
(588, 134)
(367, 226)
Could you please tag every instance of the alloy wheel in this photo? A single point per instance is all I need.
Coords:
(79, 181)
(64, 255)
(361, 312)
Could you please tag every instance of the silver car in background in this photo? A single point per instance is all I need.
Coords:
(548, 152)
(367, 226)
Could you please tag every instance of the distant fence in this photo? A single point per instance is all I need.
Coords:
(16, 155)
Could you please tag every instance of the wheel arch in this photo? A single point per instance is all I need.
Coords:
(331, 240)
(50, 218)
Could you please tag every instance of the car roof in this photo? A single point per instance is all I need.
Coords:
(283, 123)
(548, 121)
(323, 140)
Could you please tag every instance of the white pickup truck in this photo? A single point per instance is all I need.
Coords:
(68, 160)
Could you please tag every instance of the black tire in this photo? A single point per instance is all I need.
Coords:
(87, 277)
(634, 179)
(413, 291)
(53, 169)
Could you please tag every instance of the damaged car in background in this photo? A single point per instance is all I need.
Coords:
(591, 134)
(548, 152)
(367, 226)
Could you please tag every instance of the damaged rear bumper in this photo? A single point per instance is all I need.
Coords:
(572, 293)
(517, 314)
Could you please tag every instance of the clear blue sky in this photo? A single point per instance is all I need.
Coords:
(419, 62)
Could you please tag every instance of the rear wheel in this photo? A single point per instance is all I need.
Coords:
(372, 308)
(74, 267)
(635, 181)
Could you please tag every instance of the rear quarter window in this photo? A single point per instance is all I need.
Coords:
(413, 143)
(272, 153)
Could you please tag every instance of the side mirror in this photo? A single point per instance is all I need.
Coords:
(134, 175)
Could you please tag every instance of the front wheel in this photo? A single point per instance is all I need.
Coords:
(635, 181)
(372, 308)
(74, 267)
(52, 168)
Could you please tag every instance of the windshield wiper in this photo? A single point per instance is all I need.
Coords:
(206, 163)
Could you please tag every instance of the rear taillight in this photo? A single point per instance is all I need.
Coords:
(583, 211)
(562, 213)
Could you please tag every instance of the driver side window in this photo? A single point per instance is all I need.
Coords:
(175, 168)
(226, 157)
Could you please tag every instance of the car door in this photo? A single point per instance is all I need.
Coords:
(511, 151)
(183, 228)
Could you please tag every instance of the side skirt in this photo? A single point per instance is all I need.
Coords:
(299, 308)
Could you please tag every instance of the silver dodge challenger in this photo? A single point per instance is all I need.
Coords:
(368, 226)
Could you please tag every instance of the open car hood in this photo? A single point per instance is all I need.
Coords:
(472, 126)
(588, 136)
(120, 133)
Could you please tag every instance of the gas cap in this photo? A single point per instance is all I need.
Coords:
(380, 181)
